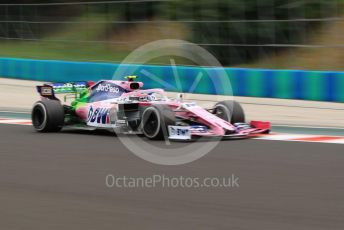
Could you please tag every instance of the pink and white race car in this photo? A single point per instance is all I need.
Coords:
(124, 107)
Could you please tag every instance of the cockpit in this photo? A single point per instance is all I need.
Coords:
(146, 96)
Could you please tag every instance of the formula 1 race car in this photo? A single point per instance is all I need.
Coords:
(124, 107)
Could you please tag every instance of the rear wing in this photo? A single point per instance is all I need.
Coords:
(49, 90)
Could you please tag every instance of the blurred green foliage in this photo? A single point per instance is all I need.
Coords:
(236, 32)
(238, 35)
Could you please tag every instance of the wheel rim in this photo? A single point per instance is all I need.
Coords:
(151, 123)
(222, 112)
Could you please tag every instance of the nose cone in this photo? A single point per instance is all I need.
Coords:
(229, 131)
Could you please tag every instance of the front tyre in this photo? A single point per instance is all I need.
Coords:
(230, 111)
(155, 121)
(47, 116)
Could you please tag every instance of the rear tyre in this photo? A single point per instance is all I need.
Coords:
(155, 121)
(230, 111)
(47, 116)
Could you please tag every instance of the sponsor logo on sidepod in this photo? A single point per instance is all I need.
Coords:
(99, 115)
(107, 88)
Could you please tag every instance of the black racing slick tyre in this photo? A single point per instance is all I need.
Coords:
(47, 116)
(230, 111)
(155, 121)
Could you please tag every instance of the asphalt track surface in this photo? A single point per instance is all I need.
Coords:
(57, 181)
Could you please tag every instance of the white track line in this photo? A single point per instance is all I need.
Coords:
(15, 121)
(303, 138)
(309, 127)
(282, 137)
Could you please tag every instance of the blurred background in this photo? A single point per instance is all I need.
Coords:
(277, 34)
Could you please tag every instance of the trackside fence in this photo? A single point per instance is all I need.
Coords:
(285, 84)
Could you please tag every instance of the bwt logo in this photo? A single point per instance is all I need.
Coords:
(100, 116)
(179, 131)
(107, 88)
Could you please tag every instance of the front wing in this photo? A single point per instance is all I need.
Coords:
(243, 131)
